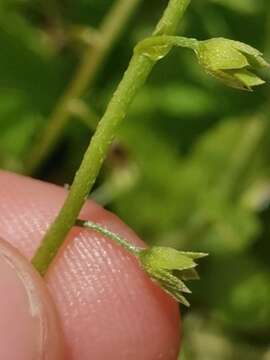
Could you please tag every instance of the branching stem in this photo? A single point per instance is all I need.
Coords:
(138, 70)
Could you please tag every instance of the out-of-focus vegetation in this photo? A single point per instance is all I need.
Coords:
(190, 167)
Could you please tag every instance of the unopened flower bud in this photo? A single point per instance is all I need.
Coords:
(231, 61)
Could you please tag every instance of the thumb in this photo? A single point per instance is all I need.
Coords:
(28, 323)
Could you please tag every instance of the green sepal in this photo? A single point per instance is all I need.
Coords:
(248, 79)
(218, 54)
(189, 274)
(254, 56)
(193, 255)
(167, 258)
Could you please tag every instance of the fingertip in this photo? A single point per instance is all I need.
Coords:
(29, 327)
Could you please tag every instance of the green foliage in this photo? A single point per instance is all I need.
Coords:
(199, 152)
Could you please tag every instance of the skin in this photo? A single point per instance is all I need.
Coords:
(95, 303)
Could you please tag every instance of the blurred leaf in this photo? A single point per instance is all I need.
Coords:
(175, 100)
(245, 6)
(17, 26)
(16, 122)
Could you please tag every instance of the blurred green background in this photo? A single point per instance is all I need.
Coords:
(190, 167)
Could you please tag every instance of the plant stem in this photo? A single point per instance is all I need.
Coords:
(134, 250)
(93, 58)
(166, 40)
(138, 70)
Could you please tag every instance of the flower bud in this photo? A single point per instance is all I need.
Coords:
(231, 62)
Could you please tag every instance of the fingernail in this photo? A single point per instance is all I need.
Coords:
(29, 328)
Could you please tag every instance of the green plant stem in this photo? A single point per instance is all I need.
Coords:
(84, 77)
(138, 70)
(134, 250)
(166, 40)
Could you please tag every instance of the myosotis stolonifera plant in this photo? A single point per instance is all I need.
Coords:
(228, 60)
